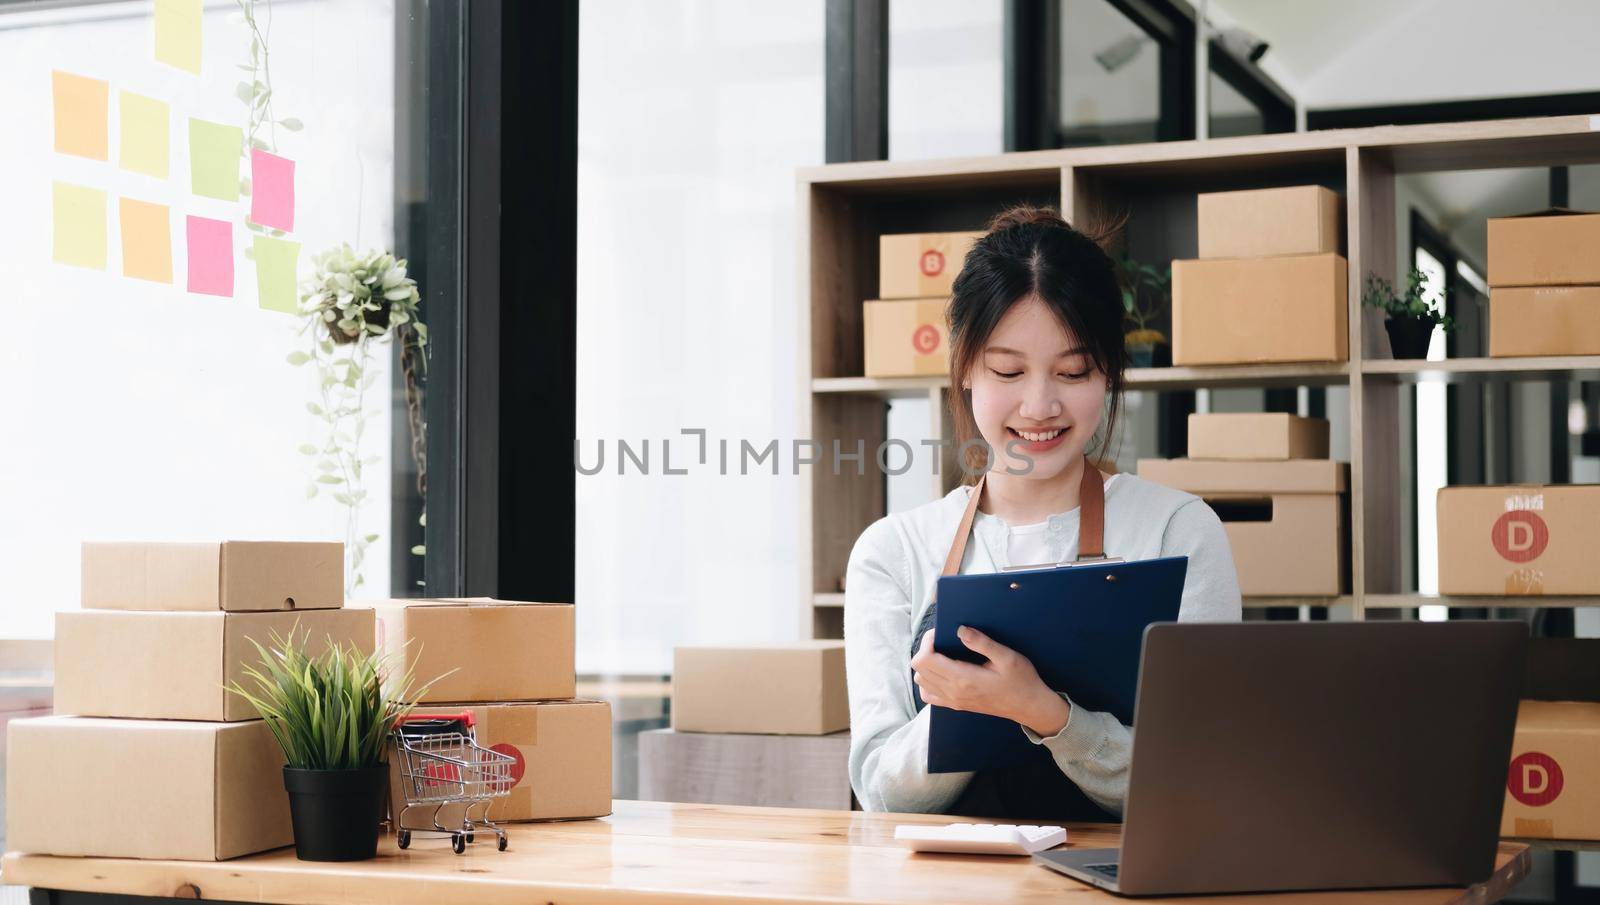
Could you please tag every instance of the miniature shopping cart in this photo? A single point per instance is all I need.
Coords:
(442, 764)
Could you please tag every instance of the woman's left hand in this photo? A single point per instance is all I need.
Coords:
(1007, 686)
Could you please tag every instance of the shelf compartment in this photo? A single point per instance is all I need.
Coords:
(1261, 603)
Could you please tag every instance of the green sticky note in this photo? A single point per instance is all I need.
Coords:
(214, 152)
(277, 261)
(80, 226)
(178, 33)
(145, 127)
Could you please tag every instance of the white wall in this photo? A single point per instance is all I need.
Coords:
(136, 410)
(692, 118)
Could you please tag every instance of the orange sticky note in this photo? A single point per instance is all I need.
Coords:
(146, 240)
(81, 106)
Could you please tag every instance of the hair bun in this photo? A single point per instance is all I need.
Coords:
(1026, 215)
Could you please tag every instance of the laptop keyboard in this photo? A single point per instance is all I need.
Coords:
(1104, 870)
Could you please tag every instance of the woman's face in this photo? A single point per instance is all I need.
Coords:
(1036, 394)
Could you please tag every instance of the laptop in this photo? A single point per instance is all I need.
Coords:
(1311, 756)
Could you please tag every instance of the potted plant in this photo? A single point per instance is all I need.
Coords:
(1145, 295)
(352, 304)
(331, 716)
(1411, 317)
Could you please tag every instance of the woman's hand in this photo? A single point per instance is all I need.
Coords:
(1007, 686)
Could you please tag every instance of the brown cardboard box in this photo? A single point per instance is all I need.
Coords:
(1257, 436)
(1519, 539)
(919, 265)
(1553, 784)
(1298, 220)
(1252, 310)
(1544, 320)
(174, 666)
(501, 650)
(144, 789)
(1550, 248)
(906, 338)
(1285, 544)
(1201, 477)
(231, 575)
(563, 752)
(780, 689)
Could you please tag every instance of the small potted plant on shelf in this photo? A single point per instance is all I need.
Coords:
(331, 716)
(1146, 293)
(1411, 317)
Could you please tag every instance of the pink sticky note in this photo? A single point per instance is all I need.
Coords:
(271, 190)
(210, 256)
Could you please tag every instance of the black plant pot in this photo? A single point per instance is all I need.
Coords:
(336, 813)
(1409, 336)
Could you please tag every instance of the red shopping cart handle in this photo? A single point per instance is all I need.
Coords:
(435, 720)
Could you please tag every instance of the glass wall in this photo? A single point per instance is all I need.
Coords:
(169, 179)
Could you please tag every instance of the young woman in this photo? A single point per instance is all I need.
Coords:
(1036, 371)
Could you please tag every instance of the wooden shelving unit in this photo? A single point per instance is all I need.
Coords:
(843, 208)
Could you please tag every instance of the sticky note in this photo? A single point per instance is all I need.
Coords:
(146, 146)
(146, 240)
(178, 34)
(276, 263)
(271, 190)
(210, 256)
(214, 151)
(80, 226)
(81, 109)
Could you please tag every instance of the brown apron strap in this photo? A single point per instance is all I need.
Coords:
(1091, 520)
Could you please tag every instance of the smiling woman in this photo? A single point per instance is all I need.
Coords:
(1037, 352)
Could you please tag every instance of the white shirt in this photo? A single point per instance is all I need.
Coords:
(1029, 545)
(893, 572)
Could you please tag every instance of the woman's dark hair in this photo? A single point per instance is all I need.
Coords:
(1032, 251)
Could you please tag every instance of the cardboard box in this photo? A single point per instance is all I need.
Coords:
(1553, 784)
(175, 666)
(906, 338)
(1200, 477)
(1544, 320)
(1257, 436)
(778, 689)
(563, 752)
(1549, 248)
(1298, 220)
(144, 789)
(1519, 539)
(239, 576)
(919, 265)
(1254, 310)
(501, 650)
(1286, 544)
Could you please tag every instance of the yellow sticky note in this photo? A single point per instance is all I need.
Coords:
(146, 240)
(81, 114)
(178, 34)
(276, 263)
(80, 226)
(214, 151)
(146, 143)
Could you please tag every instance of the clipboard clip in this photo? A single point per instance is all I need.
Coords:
(1086, 561)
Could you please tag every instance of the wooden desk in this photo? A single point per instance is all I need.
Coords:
(653, 852)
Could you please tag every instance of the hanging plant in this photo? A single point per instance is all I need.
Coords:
(351, 303)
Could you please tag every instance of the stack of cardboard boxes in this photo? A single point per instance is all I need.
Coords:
(1281, 499)
(1269, 285)
(1544, 284)
(510, 664)
(905, 327)
(1553, 784)
(157, 759)
(757, 725)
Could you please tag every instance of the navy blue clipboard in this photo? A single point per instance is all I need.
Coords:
(1082, 627)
